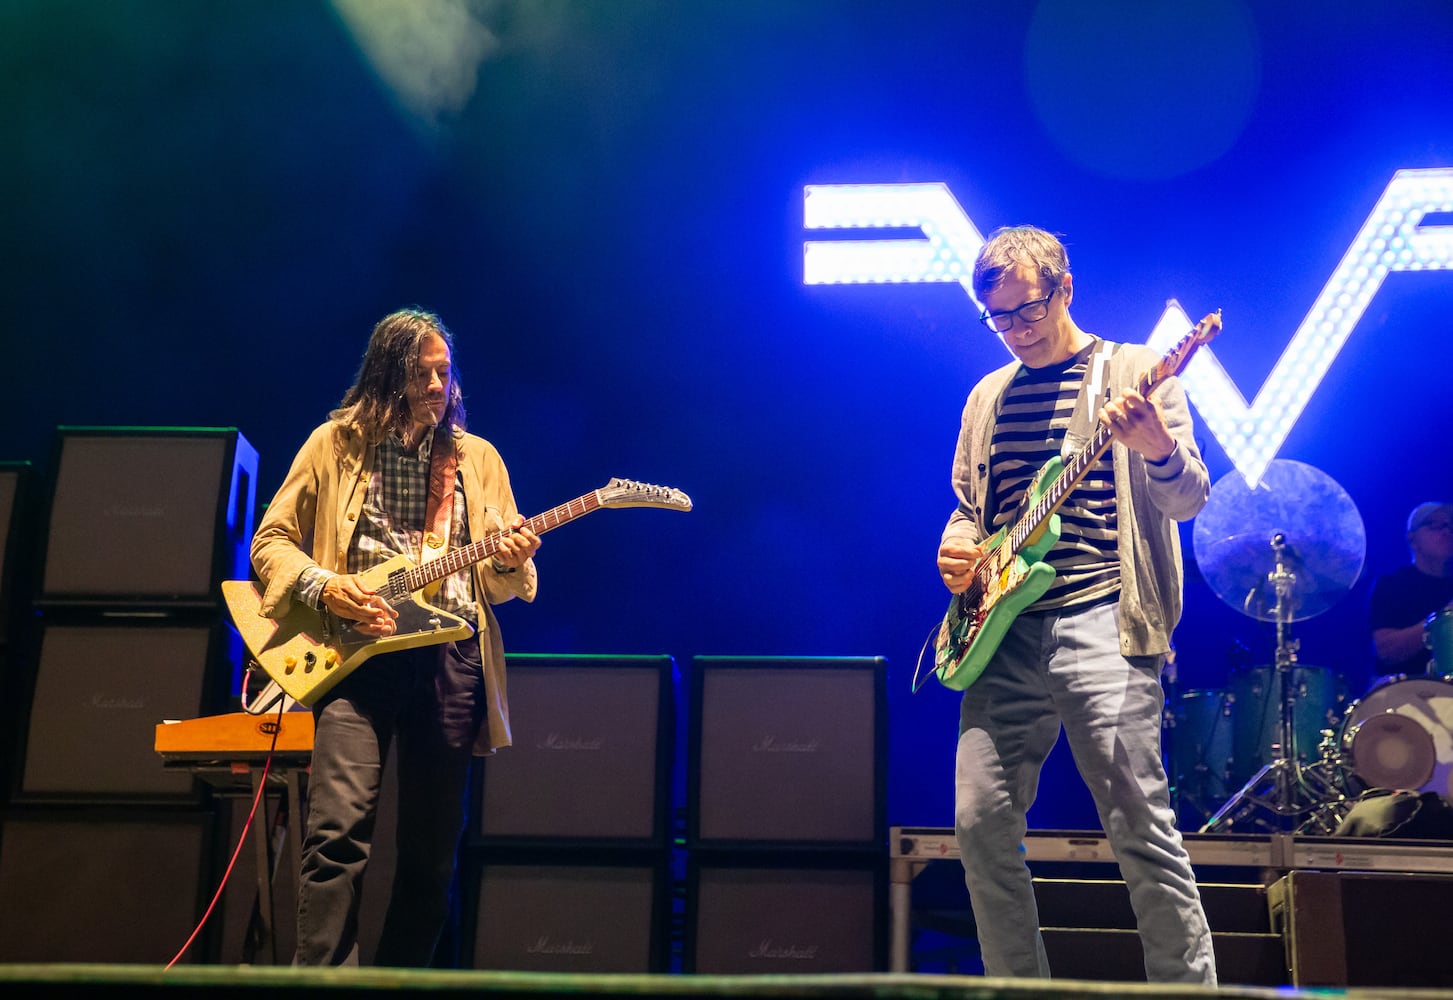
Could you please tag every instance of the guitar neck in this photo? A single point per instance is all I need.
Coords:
(467, 555)
(1079, 465)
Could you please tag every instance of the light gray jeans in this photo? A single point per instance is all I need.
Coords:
(1065, 668)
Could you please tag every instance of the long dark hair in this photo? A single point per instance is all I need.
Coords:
(377, 401)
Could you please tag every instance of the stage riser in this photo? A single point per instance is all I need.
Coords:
(1100, 955)
(1089, 932)
(1365, 928)
(1105, 903)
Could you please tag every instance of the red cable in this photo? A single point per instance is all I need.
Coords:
(261, 790)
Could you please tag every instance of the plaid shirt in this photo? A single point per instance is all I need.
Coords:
(392, 523)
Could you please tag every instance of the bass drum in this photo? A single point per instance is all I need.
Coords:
(1317, 698)
(1400, 735)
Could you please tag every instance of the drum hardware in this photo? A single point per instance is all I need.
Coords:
(1330, 770)
(1438, 638)
(1199, 730)
(1318, 697)
(1283, 551)
(1283, 786)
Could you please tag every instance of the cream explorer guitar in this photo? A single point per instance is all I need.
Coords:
(307, 651)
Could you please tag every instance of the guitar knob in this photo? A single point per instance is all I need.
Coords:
(290, 663)
(330, 658)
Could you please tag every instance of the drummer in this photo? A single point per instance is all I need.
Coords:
(1402, 601)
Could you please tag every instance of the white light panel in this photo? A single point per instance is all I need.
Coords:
(1392, 239)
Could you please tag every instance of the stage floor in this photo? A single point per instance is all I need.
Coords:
(216, 983)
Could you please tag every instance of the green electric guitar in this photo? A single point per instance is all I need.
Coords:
(1012, 575)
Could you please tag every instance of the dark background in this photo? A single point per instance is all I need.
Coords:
(206, 206)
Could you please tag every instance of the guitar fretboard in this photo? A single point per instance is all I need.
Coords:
(467, 555)
(1075, 469)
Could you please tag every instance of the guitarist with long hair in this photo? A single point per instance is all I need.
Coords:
(1086, 649)
(393, 472)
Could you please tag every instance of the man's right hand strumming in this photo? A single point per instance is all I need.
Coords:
(347, 597)
(956, 562)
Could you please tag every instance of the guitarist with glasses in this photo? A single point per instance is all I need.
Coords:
(1102, 597)
(393, 472)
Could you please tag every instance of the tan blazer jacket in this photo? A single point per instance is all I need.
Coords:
(310, 521)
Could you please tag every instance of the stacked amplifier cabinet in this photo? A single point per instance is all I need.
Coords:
(786, 818)
(570, 863)
(16, 538)
(17, 534)
(126, 631)
(103, 884)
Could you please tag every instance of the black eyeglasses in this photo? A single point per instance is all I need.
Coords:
(1030, 312)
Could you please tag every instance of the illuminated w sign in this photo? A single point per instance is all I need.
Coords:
(1392, 239)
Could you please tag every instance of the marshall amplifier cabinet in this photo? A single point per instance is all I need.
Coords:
(592, 754)
(104, 885)
(789, 913)
(100, 689)
(570, 911)
(787, 752)
(147, 516)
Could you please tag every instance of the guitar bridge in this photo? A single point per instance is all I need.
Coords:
(397, 587)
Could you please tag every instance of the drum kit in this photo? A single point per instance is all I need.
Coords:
(1281, 749)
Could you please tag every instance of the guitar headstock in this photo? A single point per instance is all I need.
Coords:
(1176, 359)
(1207, 328)
(629, 493)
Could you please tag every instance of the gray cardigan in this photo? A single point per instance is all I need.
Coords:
(1147, 498)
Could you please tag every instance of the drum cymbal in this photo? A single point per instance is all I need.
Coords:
(1287, 549)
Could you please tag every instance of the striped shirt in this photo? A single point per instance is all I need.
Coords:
(392, 523)
(1029, 431)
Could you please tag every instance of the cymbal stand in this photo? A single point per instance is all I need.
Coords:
(1282, 786)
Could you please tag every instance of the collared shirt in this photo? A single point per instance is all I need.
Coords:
(392, 523)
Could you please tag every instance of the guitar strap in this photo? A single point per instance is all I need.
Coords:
(439, 514)
(1094, 393)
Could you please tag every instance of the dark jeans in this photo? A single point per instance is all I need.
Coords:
(428, 703)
